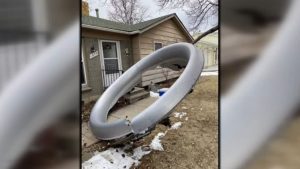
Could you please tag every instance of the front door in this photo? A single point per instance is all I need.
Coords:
(111, 64)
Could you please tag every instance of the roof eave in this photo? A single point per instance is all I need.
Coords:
(184, 28)
(157, 23)
(109, 30)
(142, 30)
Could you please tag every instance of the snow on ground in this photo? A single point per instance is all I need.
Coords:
(153, 94)
(114, 158)
(180, 114)
(209, 73)
(117, 158)
(176, 125)
(155, 144)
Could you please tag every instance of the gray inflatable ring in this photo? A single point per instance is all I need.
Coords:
(173, 56)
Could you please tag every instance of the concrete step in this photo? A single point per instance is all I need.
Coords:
(134, 97)
(137, 90)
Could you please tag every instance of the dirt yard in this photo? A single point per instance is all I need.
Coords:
(193, 145)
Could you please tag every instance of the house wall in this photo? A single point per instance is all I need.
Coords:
(139, 46)
(210, 52)
(167, 33)
(209, 47)
(136, 48)
(90, 38)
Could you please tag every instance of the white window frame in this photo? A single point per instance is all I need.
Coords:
(162, 45)
(84, 68)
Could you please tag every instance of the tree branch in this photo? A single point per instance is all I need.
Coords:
(211, 30)
(198, 11)
(127, 11)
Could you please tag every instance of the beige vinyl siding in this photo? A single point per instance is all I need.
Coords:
(135, 48)
(166, 33)
(158, 75)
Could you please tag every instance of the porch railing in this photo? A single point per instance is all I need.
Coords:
(109, 76)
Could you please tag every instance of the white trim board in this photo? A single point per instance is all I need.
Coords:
(84, 68)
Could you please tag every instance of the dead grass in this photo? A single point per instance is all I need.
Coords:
(195, 144)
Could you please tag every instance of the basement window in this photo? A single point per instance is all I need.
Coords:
(157, 45)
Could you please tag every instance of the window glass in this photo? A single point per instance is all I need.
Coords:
(157, 46)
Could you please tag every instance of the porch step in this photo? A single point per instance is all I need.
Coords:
(136, 95)
(136, 90)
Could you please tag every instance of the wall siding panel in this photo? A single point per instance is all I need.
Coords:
(167, 33)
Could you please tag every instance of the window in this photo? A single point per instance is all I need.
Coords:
(157, 45)
(82, 70)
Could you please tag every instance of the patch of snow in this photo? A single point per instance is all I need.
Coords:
(153, 94)
(180, 114)
(186, 119)
(176, 125)
(138, 153)
(117, 158)
(155, 144)
(209, 73)
(114, 158)
(184, 108)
